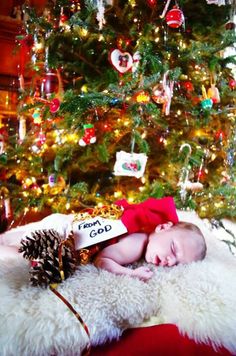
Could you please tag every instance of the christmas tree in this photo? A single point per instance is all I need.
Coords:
(126, 99)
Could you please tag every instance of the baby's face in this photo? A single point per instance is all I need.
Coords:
(172, 247)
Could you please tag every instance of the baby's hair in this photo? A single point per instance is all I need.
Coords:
(192, 227)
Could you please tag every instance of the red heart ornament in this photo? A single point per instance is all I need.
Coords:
(121, 61)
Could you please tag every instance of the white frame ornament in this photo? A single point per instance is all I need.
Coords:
(130, 164)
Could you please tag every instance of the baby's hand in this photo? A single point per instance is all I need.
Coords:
(144, 273)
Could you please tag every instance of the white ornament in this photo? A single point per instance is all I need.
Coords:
(184, 175)
(168, 86)
(136, 60)
(163, 94)
(22, 128)
(109, 2)
(184, 183)
(165, 9)
(130, 164)
(7, 206)
(100, 14)
(216, 2)
(193, 186)
(2, 144)
(52, 180)
(21, 83)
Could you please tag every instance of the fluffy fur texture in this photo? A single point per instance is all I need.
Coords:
(199, 298)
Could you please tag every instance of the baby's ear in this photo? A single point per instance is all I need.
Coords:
(165, 226)
(158, 228)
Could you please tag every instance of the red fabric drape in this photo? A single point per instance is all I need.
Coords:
(147, 215)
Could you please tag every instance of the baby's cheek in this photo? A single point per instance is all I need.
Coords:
(147, 256)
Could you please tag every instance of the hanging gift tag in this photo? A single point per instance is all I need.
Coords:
(95, 230)
(130, 164)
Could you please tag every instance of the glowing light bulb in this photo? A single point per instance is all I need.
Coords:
(117, 194)
(141, 189)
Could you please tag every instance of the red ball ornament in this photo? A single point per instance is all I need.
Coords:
(49, 84)
(54, 105)
(41, 139)
(188, 86)
(215, 101)
(230, 26)
(174, 18)
(63, 18)
(151, 3)
(201, 175)
(3, 174)
(107, 127)
(220, 135)
(232, 83)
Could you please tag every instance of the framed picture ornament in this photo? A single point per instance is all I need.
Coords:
(130, 164)
(121, 61)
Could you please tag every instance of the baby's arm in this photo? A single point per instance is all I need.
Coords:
(59, 222)
(129, 249)
(8, 252)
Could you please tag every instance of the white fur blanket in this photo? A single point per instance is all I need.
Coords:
(199, 298)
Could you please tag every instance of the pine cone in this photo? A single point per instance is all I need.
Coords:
(42, 249)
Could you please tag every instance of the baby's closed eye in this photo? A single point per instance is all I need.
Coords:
(173, 248)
